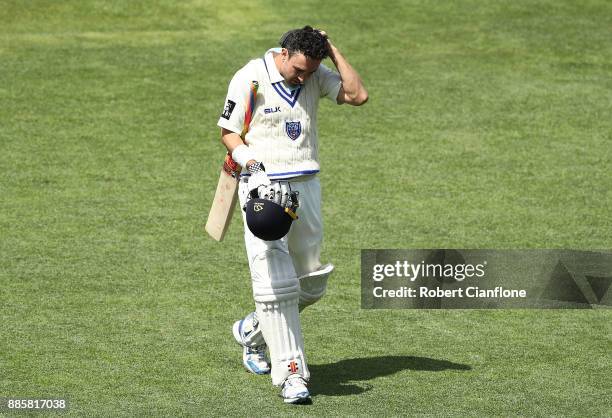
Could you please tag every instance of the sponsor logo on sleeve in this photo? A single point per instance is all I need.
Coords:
(229, 108)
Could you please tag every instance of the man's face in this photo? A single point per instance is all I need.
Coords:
(297, 68)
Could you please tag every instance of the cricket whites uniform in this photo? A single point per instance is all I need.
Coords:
(286, 274)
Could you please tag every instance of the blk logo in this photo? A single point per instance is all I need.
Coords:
(272, 110)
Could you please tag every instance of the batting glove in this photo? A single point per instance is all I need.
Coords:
(259, 180)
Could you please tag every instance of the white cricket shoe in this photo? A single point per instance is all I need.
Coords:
(253, 358)
(294, 390)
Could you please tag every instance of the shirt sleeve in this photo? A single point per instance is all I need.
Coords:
(329, 83)
(232, 116)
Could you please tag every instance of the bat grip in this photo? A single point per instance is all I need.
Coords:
(230, 166)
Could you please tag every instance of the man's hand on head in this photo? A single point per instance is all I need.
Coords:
(330, 47)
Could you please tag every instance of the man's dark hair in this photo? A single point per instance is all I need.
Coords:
(307, 40)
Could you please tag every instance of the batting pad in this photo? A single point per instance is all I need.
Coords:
(276, 294)
(273, 276)
(251, 331)
(313, 286)
(280, 324)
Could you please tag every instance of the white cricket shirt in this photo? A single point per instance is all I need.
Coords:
(283, 131)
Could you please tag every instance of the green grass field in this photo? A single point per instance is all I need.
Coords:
(489, 126)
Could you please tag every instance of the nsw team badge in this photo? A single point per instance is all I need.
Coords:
(293, 129)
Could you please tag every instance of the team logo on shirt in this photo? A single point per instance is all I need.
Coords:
(229, 108)
(293, 129)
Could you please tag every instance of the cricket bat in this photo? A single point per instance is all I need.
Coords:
(226, 195)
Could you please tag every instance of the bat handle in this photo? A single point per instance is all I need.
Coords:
(230, 166)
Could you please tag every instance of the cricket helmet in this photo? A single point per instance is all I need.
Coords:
(268, 220)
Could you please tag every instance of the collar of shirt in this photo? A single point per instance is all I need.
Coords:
(275, 76)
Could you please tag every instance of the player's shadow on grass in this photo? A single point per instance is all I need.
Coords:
(348, 377)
